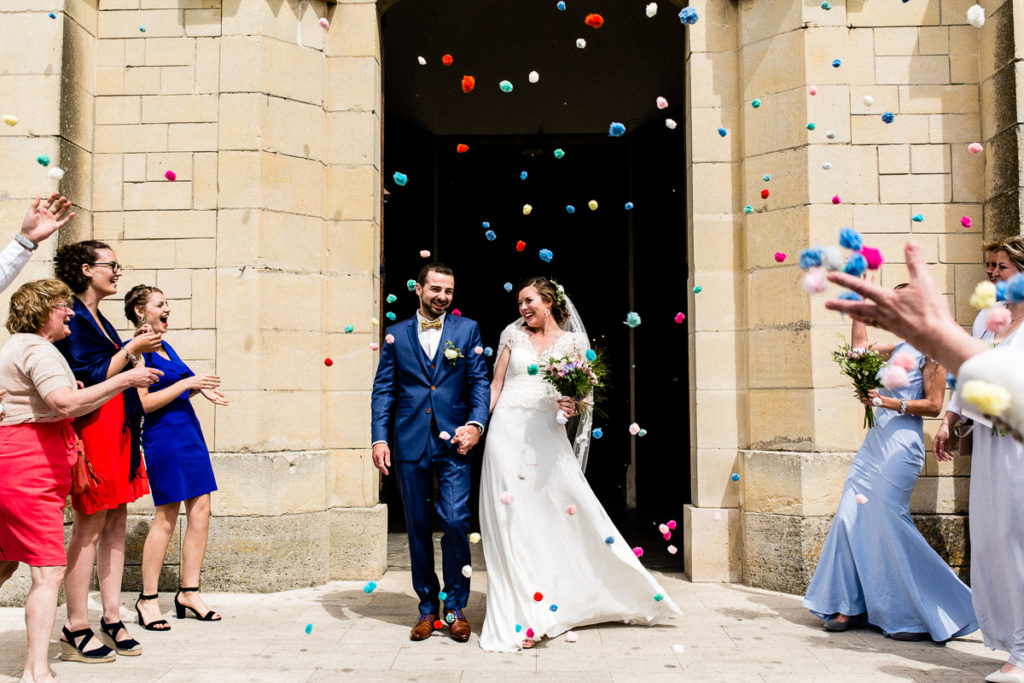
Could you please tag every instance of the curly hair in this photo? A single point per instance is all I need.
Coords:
(32, 303)
(69, 261)
(137, 296)
(549, 294)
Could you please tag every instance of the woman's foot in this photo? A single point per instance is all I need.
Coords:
(194, 601)
(529, 644)
(83, 646)
(1008, 673)
(844, 622)
(150, 616)
(47, 677)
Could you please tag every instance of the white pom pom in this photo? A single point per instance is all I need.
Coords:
(56, 173)
(826, 165)
(570, 636)
(661, 102)
(467, 571)
(861, 498)
(581, 43)
(678, 649)
(444, 436)
(976, 16)
(422, 60)
(868, 100)
(671, 124)
(652, 9)
(534, 77)
(832, 258)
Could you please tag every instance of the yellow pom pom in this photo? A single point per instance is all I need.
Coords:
(990, 399)
(984, 295)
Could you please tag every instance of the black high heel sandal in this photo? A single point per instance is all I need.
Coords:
(179, 609)
(159, 624)
(128, 646)
(72, 652)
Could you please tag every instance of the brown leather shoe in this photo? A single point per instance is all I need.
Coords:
(460, 628)
(423, 628)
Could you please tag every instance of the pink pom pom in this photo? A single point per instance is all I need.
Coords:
(672, 550)
(444, 436)
(813, 90)
(662, 103)
(905, 361)
(170, 175)
(571, 510)
(424, 253)
(671, 524)
(570, 636)
(389, 338)
(638, 551)
(814, 282)
(717, 516)
(836, 199)
(324, 23)
(975, 148)
(861, 498)
(895, 377)
(663, 528)
(966, 221)
(478, 350)
(667, 535)
(634, 429)
(780, 257)
(374, 346)
(680, 317)
(506, 498)
(873, 257)
(998, 320)
(529, 633)
(456, 311)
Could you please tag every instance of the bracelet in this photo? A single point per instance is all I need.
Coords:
(132, 358)
(25, 242)
(903, 406)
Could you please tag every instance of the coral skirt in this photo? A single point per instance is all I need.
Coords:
(108, 448)
(35, 478)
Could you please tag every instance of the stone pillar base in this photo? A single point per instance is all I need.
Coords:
(711, 544)
(780, 552)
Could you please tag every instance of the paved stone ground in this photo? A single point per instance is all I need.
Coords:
(729, 632)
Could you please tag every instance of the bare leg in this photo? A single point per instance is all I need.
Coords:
(40, 613)
(81, 554)
(110, 565)
(194, 549)
(153, 554)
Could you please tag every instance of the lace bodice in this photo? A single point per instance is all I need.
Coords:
(521, 389)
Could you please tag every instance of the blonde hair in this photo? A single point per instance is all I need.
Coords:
(1013, 247)
(32, 303)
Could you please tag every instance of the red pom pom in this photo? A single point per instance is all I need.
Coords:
(764, 194)
(447, 60)
(328, 362)
(438, 624)
(468, 83)
(595, 20)
(538, 596)
(520, 245)
(461, 148)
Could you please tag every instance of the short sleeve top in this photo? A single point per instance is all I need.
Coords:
(31, 368)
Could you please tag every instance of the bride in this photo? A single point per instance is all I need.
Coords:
(554, 559)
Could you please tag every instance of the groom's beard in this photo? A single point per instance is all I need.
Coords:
(432, 310)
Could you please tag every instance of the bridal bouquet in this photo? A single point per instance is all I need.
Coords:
(862, 366)
(576, 378)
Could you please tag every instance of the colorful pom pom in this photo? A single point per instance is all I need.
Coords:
(520, 245)
(856, 265)
(43, 160)
(764, 194)
(374, 346)
(490, 236)
(468, 83)
(895, 377)
(506, 498)
(663, 529)
(424, 253)
(369, 587)
(826, 165)
(444, 436)
(873, 257)
(508, 286)
(527, 209)
(545, 255)
(658, 597)
(170, 175)
(597, 433)
(812, 90)
(478, 350)
(569, 208)
(755, 103)
(467, 571)
(570, 636)
(616, 130)
(632, 319)
(56, 173)
(836, 63)
(811, 125)
(411, 284)
(561, 6)
(850, 296)
(634, 429)
(324, 23)
(309, 627)
(642, 433)
(766, 177)
(450, 617)
(328, 362)
(998, 320)
(53, 15)
(826, 5)
(888, 117)
(748, 209)
(671, 524)
(349, 329)
(390, 315)
(1015, 289)
(594, 20)
(524, 175)
(529, 633)
(532, 369)
(780, 257)
(836, 199)
(456, 311)
(488, 351)
(975, 148)
(868, 100)
(688, 16)
(609, 540)
(734, 476)
(438, 624)
(538, 596)
(11, 120)
(671, 124)
(505, 86)
(850, 239)
(571, 510)
(474, 538)
(990, 399)
(976, 16)
(661, 103)
(447, 59)
(461, 148)
(638, 551)
(142, 29)
(672, 550)
(984, 295)
(861, 498)
(629, 206)
(680, 317)
(723, 132)
(698, 289)
(422, 60)
(965, 221)
(400, 179)
(559, 153)
(590, 355)
(581, 43)
(389, 338)
(553, 607)
(814, 282)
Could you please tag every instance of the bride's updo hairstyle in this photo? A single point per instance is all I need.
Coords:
(547, 292)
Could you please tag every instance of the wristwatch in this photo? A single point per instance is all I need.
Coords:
(25, 242)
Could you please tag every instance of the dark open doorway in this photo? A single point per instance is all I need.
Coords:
(611, 260)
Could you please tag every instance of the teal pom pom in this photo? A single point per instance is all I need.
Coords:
(349, 329)
(698, 289)
(559, 153)
(369, 587)
(755, 103)
(616, 130)
(597, 433)
(532, 369)
(748, 209)
(309, 629)
(766, 177)
(826, 6)
(411, 284)
(642, 432)
(518, 627)
(392, 298)
(632, 319)
(450, 617)
(390, 315)
(629, 206)
(591, 355)
(609, 540)
(400, 179)
(506, 86)
(442, 596)
(917, 218)
(811, 126)
(142, 28)
(43, 160)
(658, 597)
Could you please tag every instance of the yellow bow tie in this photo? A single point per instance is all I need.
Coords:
(430, 325)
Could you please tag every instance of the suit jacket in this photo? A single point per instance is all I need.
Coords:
(415, 389)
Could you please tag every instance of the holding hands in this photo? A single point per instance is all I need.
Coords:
(465, 438)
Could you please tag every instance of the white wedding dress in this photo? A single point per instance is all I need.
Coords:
(533, 547)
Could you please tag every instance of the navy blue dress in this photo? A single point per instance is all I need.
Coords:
(177, 459)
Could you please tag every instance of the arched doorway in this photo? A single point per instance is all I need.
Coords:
(611, 260)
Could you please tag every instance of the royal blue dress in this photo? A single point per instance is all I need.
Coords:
(874, 559)
(177, 459)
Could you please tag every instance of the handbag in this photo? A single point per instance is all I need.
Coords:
(961, 443)
(83, 476)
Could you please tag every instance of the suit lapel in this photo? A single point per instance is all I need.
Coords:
(417, 348)
(447, 332)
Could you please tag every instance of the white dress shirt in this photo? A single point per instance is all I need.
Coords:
(429, 339)
(12, 259)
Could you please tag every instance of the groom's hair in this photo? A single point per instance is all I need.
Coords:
(435, 267)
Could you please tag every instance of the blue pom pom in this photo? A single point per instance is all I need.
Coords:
(629, 206)
(850, 238)
(609, 540)
(486, 224)
(811, 257)
(442, 596)
(735, 477)
(917, 218)
(545, 255)
(490, 236)
(54, 16)
(723, 132)
(836, 63)
(309, 629)
(569, 208)
(826, 6)
(390, 315)
(400, 179)
(1001, 291)
(488, 352)
(591, 355)
(524, 175)
(561, 6)
(951, 380)
(553, 608)
(369, 587)
(616, 130)
(688, 15)
(766, 177)
(518, 627)
(1015, 289)
(597, 433)
(887, 117)
(856, 265)
(508, 286)
(850, 296)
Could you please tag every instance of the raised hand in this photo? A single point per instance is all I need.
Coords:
(146, 342)
(46, 217)
(215, 397)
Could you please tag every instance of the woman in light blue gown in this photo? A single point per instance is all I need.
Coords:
(876, 567)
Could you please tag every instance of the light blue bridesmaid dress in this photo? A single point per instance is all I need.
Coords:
(874, 559)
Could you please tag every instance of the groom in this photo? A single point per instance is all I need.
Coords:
(434, 383)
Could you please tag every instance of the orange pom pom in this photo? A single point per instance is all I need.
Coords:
(538, 596)
(447, 60)
(595, 20)
(520, 245)
(468, 83)
(461, 148)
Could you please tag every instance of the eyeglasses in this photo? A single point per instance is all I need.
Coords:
(113, 265)
(63, 305)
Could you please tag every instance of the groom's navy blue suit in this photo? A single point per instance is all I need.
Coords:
(427, 396)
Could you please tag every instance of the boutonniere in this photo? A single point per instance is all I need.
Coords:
(452, 352)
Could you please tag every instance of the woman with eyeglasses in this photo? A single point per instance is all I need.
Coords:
(111, 438)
